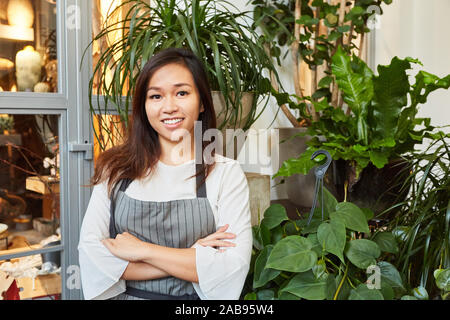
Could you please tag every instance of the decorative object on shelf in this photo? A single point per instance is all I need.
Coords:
(28, 68)
(6, 123)
(20, 13)
(6, 74)
(41, 87)
(19, 20)
(53, 164)
(11, 206)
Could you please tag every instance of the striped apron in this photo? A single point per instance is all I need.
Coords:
(176, 223)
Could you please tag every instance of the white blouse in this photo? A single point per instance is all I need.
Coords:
(221, 275)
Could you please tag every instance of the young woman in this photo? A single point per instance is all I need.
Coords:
(165, 219)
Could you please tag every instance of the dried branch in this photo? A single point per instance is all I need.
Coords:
(292, 119)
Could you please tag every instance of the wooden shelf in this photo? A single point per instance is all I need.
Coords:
(8, 32)
(35, 184)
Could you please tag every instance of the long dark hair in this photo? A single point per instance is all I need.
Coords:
(141, 150)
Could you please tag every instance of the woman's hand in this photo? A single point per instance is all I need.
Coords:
(216, 239)
(127, 247)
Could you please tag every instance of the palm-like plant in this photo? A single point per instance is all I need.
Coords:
(233, 57)
(422, 223)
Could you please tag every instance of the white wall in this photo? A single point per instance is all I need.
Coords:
(419, 29)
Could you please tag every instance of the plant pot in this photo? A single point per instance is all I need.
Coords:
(376, 189)
(219, 107)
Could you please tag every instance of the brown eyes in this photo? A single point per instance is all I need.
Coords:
(158, 96)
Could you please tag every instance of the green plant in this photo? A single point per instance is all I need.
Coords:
(383, 122)
(312, 32)
(442, 278)
(422, 220)
(233, 56)
(323, 260)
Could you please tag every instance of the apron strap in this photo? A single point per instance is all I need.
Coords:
(201, 191)
(122, 185)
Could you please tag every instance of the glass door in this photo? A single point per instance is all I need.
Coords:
(45, 146)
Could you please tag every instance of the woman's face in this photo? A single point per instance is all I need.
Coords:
(172, 103)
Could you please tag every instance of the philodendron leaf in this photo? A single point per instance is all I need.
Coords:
(262, 274)
(386, 241)
(265, 294)
(352, 216)
(287, 296)
(332, 237)
(329, 202)
(362, 252)
(306, 285)
(316, 247)
(292, 254)
(250, 296)
(442, 277)
(274, 215)
(391, 276)
(368, 213)
(319, 269)
(261, 236)
(362, 292)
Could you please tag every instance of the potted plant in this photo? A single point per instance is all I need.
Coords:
(309, 32)
(422, 221)
(381, 126)
(335, 259)
(233, 55)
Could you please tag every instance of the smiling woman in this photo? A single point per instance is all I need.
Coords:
(150, 230)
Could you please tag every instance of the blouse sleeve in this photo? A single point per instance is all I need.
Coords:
(222, 275)
(100, 269)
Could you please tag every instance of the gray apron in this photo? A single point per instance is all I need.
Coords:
(176, 223)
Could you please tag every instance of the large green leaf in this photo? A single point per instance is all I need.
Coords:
(316, 246)
(391, 276)
(362, 252)
(357, 88)
(266, 294)
(391, 88)
(303, 164)
(352, 216)
(332, 237)
(292, 254)
(274, 215)
(262, 275)
(386, 241)
(362, 292)
(306, 285)
(442, 277)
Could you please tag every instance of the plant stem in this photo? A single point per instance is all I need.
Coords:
(341, 283)
(345, 190)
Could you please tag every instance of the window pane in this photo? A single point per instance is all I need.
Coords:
(28, 59)
(29, 183)
(109, 131)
